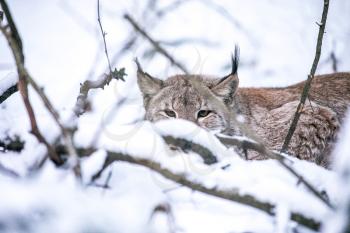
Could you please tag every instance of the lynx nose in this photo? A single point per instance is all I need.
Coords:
(188, 116)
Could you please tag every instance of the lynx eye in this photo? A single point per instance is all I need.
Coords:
(203, 113)
(170, 113)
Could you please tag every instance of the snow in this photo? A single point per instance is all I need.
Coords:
(63, 46)
(283, 215)
(188, 130)
(8, 81)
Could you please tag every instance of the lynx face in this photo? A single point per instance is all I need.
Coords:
(199, 99)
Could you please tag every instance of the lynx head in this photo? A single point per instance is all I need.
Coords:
(201, 99)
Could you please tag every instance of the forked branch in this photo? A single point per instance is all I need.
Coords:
(15, 44)
(23, 89)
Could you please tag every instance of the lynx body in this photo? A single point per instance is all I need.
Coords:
(212, 102)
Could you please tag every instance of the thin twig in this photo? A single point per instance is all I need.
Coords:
(307, 85)
(112, 74)
(155, 44)
(103, 35)
(81, 104)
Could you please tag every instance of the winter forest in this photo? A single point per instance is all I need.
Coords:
(83, 148)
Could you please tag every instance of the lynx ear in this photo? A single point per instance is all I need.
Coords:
(226, 87)
(148, 85)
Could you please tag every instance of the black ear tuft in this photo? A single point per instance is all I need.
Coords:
(226, 87)
(139, 68)
(235, 61)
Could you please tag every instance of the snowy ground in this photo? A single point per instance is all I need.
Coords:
(63, 47)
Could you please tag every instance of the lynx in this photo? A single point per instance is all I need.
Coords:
(210, 101)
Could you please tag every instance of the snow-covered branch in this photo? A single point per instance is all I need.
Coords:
(245, 143)
(213, 191)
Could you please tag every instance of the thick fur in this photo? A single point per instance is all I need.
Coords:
(268, 111)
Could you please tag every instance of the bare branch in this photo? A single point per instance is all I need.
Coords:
(307, 86)
(23, 89)
(154, 43)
